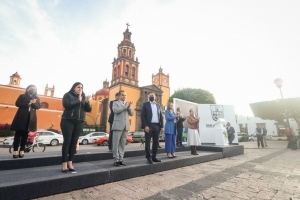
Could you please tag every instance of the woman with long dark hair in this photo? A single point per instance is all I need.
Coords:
(25, 120)
(76, 104)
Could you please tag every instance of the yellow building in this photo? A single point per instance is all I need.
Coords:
(162, 82)
(125, 76)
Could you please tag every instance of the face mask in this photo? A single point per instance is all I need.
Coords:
(151, 99)
(31, 91)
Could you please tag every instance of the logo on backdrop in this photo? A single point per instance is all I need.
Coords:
(216, 112)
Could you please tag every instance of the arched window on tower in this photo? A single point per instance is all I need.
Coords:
(124, 52)
(126, 70)
(115, 73)
(129, 53)
(133, 72)
(119, 70)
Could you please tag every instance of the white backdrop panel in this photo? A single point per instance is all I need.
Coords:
(208, 114)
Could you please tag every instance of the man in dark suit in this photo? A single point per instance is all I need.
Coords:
(230, 132)
(179, 126)
(152, 123)
(111, 120)
(259, 134)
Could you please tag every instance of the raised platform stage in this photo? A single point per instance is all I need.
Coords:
(39, 174)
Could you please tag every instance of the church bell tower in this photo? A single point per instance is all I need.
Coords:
(126, 66)
(15, 80)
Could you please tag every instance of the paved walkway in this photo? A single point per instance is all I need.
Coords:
(269, 173)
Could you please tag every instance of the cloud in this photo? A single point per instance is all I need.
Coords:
(234, 49)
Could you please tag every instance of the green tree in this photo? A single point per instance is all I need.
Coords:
(194, 95)
(278, 110)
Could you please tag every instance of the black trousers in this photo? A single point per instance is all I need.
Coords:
(154, 134)
(17, 138)
(110, 138)
(260, 140)
(179, 136)
(23, 135)
(71, 130)
(231, 137)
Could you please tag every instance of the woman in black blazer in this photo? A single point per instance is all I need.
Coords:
(76, 104)
(25, 120)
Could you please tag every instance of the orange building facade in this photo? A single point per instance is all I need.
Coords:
(49, 115)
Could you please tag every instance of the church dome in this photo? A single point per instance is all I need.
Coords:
(16, 75)
(104, 91)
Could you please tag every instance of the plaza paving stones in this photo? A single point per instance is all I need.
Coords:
(269, 173)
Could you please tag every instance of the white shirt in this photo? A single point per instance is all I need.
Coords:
(154, 113)
(261, 131)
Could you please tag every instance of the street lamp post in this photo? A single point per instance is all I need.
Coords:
(278, 82)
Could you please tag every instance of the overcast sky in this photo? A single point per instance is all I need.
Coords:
(233, 49)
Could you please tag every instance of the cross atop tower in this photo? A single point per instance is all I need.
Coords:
(127, 33)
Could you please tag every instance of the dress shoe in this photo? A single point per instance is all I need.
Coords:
(159, 147)
(173, 155)
(149, 161)
(15, 156)
(156, 160)
(72, 170)
(65, 170)
(121, 163)
(117, 164)
(169, 155)
(21, 155)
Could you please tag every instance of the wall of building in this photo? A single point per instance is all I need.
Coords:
(270, 125)
(9, 94)
(47, 117)
(252, 121)
(93, 117)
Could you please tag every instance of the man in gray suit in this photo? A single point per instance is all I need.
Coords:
(120, 127)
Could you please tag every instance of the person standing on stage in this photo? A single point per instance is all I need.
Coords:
(153, 124)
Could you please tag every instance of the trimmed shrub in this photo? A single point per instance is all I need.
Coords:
(5, 130)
